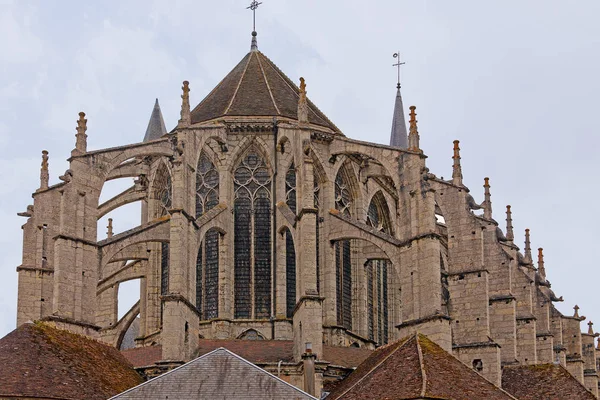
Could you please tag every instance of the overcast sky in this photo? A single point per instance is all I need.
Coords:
(515, 81)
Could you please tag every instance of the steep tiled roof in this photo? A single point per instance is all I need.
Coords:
(256, 87)
(545, 381)
(256, 351)
(44, 362)
(219, 374)
(414, 368)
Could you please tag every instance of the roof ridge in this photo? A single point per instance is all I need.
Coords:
(421, 366)
(268, 86)
(376, 366)
(237, 88)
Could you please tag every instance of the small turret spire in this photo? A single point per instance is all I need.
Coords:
(109, 232)
(156, 126)
(413, 133)
(398, 137)
(487, 203)
(302, 104)
(528, 258)
(590, 329)
(576, 313)
(44, 174)
(185, 106)
(81, 137)
(456, 168)
(510, 235)
(253, 6)
(541, 268)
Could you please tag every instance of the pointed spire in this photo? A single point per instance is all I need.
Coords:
(109, 232)
(541, 268)
(487, 203)
(186, 118)
(156, 126)
(528, 258)
(398, 137)
(590, 329)
(81, 137)
(44, 174)
(254, 45)
(576, 313)
(456, 168)
(510, 235)
(413, 134)
(302, 104)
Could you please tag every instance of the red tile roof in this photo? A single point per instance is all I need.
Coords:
(44, 362)
(545, 381)
(414, 368)
(256, 351)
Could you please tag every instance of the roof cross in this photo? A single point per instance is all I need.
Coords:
(398, 64)
(253, 6)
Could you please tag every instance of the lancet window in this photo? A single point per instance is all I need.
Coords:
(252, 239)
(290, 188)
(207, 185)
(290, 273)
(207, 276)
(377, 300)
(343, 254)
(164, 268)
(163, 197)
(378, 214)
(317, 203)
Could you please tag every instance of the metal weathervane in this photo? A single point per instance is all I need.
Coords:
(398, 64)
(253, 6)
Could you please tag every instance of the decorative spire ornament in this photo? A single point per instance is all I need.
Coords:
(413, 133)
(528, 258)
(487, 203)
(398, 136)
(186, 119)
(456, 168)
(576, 314)
(590, 329)
(253, 6)
(44, 174)
(81, 137)
(541, 268)
(109, 232)
(302, 104)
(510, 235)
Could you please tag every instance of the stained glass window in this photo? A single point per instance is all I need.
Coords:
(290, 188)
(344, 283)
(317, 192)
(207, 185)
(343, 195)
(207, 276)
(290, 273)
(164, 268)
(377, 300)
(163, 191)
(252, 239)
(378, 214)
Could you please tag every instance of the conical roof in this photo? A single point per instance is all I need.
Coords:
(399, 136)
(156, 125)
(257, 88)
(415, 368)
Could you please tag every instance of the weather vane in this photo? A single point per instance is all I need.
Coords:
(253, 6)
(398, 64)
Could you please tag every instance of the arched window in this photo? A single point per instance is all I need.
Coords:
(290, 273)
(317, 205)
(343, 255)
(378, 214)
(207, 276)
(251, 334)
(163, 190)
(207, 185)
(252, 239)
(290, 188)
(377, 300)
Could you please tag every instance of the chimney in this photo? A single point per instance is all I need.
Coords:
(308, 359)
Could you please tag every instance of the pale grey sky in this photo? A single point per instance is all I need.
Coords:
(515, 81)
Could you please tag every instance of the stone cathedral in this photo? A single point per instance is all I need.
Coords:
(262, 223)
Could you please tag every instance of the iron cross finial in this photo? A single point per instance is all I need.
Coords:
(398, 64)
(253, 6)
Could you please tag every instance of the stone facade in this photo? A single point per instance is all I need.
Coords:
(274, 224)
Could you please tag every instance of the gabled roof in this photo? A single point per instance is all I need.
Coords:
(415, 368)
(545, 381)
(256, 88)
(219, 374)
(156, 125)
(39, 361)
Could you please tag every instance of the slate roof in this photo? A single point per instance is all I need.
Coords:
(156, 126)
(545, 381)
(258, 352)
(256, 87)
(399, 135)
(415, 368)
(44, 362)
(219, 374)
